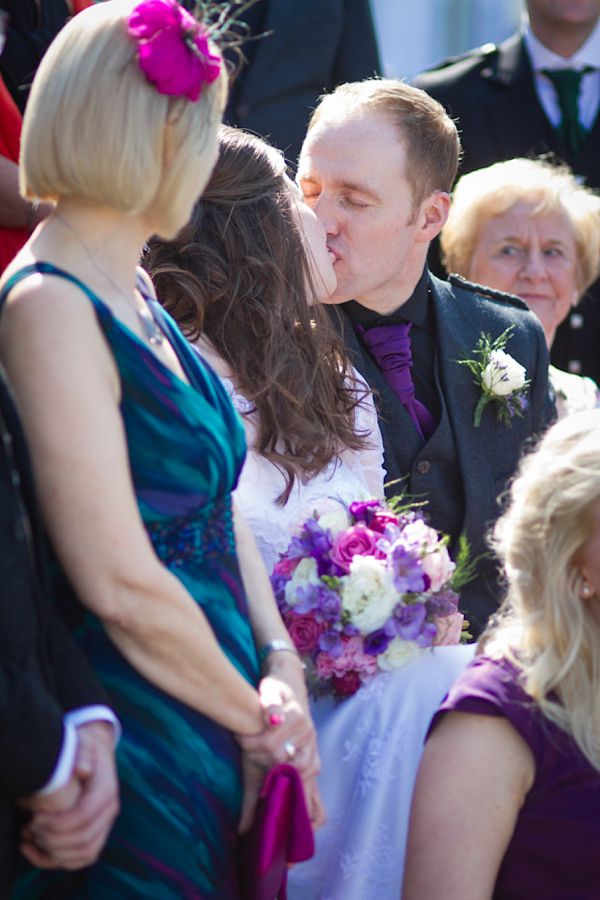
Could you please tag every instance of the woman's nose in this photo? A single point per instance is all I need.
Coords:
(534, 265)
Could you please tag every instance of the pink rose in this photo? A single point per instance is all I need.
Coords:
(354, 657)
(347, 684)
(324, 664)
(381, 519)
(356, 541)
(285, 566)
(305, 633)
(449, 629)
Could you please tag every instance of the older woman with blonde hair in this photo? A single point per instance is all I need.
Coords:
(136, 449)
(507, 801)
(527, 227)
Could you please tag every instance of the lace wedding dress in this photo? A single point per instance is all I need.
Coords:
(371, 743)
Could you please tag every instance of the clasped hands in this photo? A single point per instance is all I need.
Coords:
(288, 736)
(69, 826)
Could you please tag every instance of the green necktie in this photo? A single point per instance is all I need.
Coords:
(568, 83)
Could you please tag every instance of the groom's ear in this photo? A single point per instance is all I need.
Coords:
(432, 215)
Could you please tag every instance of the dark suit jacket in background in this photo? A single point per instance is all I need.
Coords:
(314, 46)
(461, 470)
(29, 34)
(43, 674)
(491, 92)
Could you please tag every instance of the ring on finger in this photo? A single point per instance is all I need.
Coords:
(290, 749)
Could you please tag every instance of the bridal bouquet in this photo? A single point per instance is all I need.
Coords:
(363, 590)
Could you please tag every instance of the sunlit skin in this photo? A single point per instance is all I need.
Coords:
(563, 25)
(533, 257)
(315, 243)
(352, 174)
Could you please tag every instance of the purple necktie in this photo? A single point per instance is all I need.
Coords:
(390, 346)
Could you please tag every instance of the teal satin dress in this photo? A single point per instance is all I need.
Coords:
(180, 772)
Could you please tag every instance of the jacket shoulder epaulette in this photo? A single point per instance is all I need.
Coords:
(477, 54)
(483, 291)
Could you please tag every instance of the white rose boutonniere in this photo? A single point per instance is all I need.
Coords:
(500, 377)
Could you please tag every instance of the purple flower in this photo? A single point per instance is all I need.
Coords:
(427, 636)
(409, 620)
(377, 642)
(351, 630)
(317, 542)
(278, 583)
(308, 599)
(444, 603)
(362, 510)
(409, 577)
(330, 642)
(329, 604)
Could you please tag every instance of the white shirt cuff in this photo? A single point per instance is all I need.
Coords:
(66, 758)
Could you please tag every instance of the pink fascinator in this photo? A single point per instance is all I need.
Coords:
(174, 52)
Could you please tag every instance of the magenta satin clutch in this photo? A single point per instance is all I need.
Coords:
(281, 833)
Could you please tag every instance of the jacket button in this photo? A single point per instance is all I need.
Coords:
(15, 478)
(423, 467)
(17, 529)
(243, 110)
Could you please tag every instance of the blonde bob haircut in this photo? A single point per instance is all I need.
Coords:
(96, 129)
(485, 193)
(544, 625)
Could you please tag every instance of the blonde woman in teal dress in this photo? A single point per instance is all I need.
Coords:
(136, 449)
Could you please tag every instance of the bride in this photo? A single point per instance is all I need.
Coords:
(239, 280)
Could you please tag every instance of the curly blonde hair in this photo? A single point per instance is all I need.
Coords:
(545, 626)
(485, 193)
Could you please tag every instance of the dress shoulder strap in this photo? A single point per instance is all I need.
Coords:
(43, 268)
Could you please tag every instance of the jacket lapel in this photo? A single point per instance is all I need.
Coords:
(516, 111)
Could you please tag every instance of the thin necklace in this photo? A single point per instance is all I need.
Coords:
(152, 330)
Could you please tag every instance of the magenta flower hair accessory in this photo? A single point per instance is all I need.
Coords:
(173, 48)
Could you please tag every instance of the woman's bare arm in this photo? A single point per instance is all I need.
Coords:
(472, 781)
(68, 390)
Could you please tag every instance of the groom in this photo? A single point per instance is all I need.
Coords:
(377, 166)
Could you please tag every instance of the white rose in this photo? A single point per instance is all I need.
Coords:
(336, 520)
(439, 567)
(398, 654)
(306, 573)
(368, 593)
(503, 374)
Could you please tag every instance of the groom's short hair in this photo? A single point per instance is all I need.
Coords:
(430, 136)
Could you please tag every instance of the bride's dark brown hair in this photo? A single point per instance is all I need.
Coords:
(238, 275)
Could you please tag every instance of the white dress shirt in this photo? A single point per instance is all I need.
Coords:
(543, 58)
(66, 758)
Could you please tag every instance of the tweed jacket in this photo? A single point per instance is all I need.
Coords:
(491, 93)
(461, 470)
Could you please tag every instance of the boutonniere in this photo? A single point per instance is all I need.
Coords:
(500, 377)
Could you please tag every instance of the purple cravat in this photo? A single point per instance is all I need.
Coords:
(390, 346)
